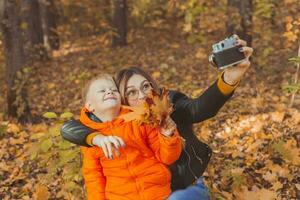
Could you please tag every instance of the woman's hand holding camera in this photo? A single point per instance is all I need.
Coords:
(232, 75)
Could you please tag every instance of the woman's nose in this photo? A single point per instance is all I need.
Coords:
(142, 95)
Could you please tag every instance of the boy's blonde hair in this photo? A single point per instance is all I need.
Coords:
(88, 84)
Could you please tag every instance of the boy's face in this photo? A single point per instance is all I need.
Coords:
(102, 95)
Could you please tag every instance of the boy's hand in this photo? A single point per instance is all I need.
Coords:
(168, 127)
(108, 143)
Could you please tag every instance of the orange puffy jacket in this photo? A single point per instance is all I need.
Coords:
(141, 171)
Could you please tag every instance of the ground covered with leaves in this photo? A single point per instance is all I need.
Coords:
(255, 137)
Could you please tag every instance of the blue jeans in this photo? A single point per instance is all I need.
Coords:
(194, 192)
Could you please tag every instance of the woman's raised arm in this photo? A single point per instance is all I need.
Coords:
(207, 105)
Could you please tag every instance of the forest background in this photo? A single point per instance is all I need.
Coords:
(50, 48)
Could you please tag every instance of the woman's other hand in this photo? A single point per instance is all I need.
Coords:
(109, 144)
(233, 75)
(168, 127)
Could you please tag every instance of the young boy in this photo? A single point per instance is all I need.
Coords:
(141, 171)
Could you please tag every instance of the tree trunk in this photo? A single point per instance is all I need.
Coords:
(49, 18)
(240, 19)
(32, 27)
(119, 23)
(17, 103)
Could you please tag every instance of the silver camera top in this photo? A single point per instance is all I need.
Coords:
(224, 44)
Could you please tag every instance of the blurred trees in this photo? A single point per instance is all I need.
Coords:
(32, 27)
(49, 18)
(17, 103)
(119, 23)
(245, 11)
(46, 24)
(23, 39)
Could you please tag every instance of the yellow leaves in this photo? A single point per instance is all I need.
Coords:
(201, 53)
(50, 115)
(290, 36)
(175, 45)
(24, 26)
(13, 128)
(277, 116)
(66, 115)
(53, 115)
(296, 117)
(156, 74)
(288, 150)
(269, 176)
(51, 85)
(138, 113)
(292, 29)
(280, 171)
(38, 128)
(187, 27)
(46, 145)
(294, 152)
(205, 132)
(161, 107)
(196, 92)
(257, 194)
(277, 185)
(41, 193)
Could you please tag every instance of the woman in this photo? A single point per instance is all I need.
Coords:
(134, 84)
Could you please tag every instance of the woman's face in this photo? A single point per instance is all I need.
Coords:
(137, 88)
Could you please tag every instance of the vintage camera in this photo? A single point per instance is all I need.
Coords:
(225, 53)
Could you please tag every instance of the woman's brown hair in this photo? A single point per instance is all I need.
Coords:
(124, 75)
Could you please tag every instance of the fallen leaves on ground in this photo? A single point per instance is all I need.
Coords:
(255, 137)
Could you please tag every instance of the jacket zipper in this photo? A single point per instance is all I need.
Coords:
(189, 164)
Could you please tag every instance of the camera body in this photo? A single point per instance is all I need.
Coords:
(225, 53)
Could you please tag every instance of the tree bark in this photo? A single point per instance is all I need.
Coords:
(17, 103)
(49, 18)
(119, 23)
(32, 27)
(244, 10)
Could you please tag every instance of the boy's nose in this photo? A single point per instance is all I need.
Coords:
(109, 91)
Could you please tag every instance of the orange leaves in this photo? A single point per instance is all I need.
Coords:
(139, 113)
(277, 116)
(292, 29)
(256, 193)
(41, 193)
(257, 154)
(153, 110)
(13, 128)
(161, 107)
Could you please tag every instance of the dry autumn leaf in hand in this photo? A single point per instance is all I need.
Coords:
(138, 113)
(161, 107)
(153, 110)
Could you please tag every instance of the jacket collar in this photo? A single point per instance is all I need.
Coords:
(92, 121)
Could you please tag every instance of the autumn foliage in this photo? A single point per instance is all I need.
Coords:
(255, 137)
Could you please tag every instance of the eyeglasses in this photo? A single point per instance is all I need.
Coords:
(133, 93)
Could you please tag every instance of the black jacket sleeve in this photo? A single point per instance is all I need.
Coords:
(207, 105)
(74, 131)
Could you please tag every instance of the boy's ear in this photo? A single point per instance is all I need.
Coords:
(89, 106)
